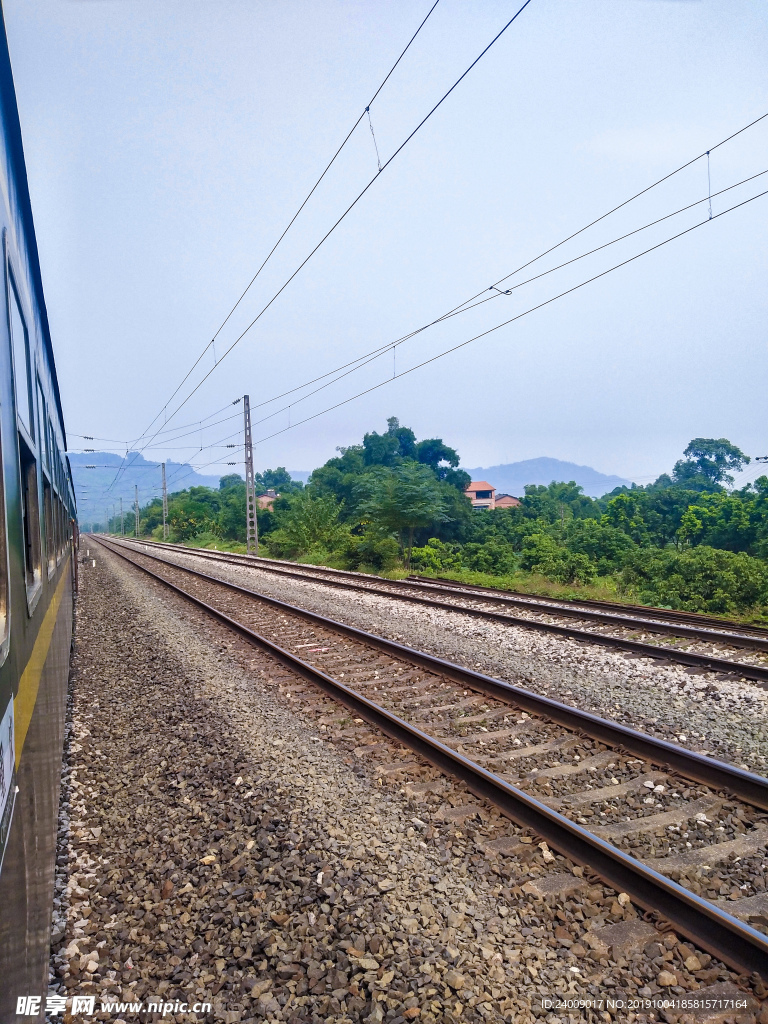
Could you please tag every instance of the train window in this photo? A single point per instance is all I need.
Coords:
(42, 419)
(50, 525)
(62, 528)
(30, 515)
(20, 342)
(59, 529)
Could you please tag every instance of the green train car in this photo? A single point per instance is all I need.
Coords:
(37, 582)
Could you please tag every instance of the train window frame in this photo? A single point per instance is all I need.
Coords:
(62, 543)
(49, 524)
(44, 443)
(29, 494)
(20, 346)
(28, 466)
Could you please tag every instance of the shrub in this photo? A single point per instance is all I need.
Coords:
(542, 554)
(701, 579)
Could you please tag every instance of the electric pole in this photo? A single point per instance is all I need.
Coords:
(251, 529)
(165, 507)
(136, 507)
(122, 521)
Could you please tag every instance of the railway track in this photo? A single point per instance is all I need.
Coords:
(675, 830)
(698, 642)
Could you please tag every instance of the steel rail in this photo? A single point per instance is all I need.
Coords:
(645, 610)
(749, 786)
(360, 582)
(756, 673)
(709, 927)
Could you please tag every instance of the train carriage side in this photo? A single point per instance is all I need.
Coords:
(37, 513)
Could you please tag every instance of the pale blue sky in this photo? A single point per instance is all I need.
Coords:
(168, 143)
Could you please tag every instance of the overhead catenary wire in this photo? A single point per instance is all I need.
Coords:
(301, 207)
(347, 211)
(388, 346)
(511, 320)
(382, 349)
(505, 323)
(457, 311)
(197, 424)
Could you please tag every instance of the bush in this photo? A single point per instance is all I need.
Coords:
(370, 550)
(542, 554)
(606, 546)
(436, 556)
(495, 557)
(307, 525)
(701, 579)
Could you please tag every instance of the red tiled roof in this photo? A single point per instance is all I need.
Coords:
(480, 485)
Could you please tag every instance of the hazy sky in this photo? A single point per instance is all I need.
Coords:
(168, 144)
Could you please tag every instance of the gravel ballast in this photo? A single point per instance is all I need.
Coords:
(228, 835)
(716, 714)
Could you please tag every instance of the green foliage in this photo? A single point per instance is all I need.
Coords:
(542, 554)
(401, 499)
(277, 480)
(682, 541)
(709, 463)
(703, 579)
(307, 524)
(368, 551)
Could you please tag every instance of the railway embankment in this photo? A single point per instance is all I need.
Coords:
(231, 836)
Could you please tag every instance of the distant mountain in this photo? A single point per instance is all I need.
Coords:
(512, 477)
(95, 493)
(93, 486)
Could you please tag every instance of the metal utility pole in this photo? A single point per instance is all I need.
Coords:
(122, 521)
(251, 529)
(165, 507)
(136, 506)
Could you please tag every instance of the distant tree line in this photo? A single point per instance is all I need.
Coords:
(685, 541)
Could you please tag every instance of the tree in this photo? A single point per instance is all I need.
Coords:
(402, 499)
(389, 449)
(708, 463)
(279, 480)
(307, 521)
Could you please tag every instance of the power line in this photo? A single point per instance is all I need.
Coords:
(347, 211)
(465, 308)
(519, 316)
(198, 426)
(124, 442)
(301, 207)
(637, 195)
(387, 346)
(506, 323)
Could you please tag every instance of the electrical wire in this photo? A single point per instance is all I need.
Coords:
(301, 207)
(465, 308)
(388, 346)
(367, 357)
(519, 316)
(351, 206)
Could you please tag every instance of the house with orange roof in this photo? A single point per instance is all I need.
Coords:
(481, 494)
